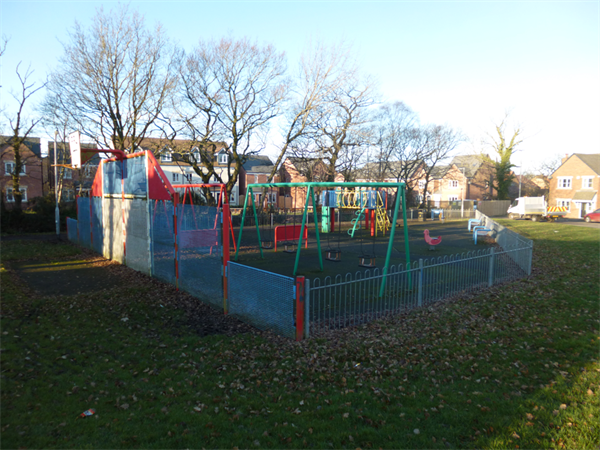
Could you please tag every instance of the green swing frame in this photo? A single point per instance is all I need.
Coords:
(310, 195)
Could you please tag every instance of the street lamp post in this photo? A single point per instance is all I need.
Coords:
(56, 210)
(520, 177)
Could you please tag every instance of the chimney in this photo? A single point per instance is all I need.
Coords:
(562, 161)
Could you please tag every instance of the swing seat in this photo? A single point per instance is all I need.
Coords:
(366, 261)
(267, 244)
(290, 247)
(333, 255)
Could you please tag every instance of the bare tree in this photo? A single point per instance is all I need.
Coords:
(60, 125)
(115, 78)
(438, 143)
(398, 147)
(342, 123)
(547, 167)
(321, 71)
(232, 90)
(21, 127)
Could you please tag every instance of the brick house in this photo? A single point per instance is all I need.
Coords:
(467, 177)
(392, 173)
(575, 184)
(301, 170)
(257, 169)
(31, 177)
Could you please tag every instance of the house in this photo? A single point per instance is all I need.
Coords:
(575, 184)
(467, 177)
(410, 172)
(31, 176)
(257, 169)
(301, 170)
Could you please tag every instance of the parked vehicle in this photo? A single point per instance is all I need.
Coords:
(594, 216)
(535, 208)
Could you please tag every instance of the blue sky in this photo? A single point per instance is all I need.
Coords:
(458, 63)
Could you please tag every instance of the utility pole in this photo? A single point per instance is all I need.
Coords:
(56, 210)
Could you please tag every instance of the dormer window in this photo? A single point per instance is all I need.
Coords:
(166, 156)
(196, 154)
(222, 158)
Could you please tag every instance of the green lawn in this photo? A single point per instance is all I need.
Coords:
(513, 367)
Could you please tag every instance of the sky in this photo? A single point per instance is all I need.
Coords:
(464, 64)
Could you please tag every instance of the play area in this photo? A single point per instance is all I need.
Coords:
(351, 232)
(333, 259)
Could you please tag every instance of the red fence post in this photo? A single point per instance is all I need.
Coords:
(300, 295)
(225, 241)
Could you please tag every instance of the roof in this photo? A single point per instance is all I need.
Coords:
(258, 164)
(471, 163)
(592, 160)
(439, 172)
(32, 144)
(391, 169)
(585, 195)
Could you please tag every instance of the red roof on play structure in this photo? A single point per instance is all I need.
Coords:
(159, 187)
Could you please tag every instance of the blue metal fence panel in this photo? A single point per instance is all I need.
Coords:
(134, 176)
(263, 299)
(111, 179)
(72, 230)
(83, 222)
(200, 252)
(162, 241)
(97, 228)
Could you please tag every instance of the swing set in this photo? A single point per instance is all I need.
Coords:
(297, 239)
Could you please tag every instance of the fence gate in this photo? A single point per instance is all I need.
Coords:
(263, 299)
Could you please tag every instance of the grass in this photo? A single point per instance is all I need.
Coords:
(512, 367)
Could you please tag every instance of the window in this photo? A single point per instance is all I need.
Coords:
(196, 154)
(564, 182)
(487, 184)
(9, 168)
(567, 203)
(222, 158)
(166, 157)
(9, 194)
(452, 183)
(67, 174)
(587, 182)
(175, 177)
(68, 195)
(421, 184)
(90, 170)
(452, 198)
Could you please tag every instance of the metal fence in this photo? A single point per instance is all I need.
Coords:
(356, 298)
(72, 230)
(263, 299)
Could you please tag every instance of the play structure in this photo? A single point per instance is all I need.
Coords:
(368, 200)
(135, 216)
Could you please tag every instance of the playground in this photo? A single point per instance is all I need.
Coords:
(456, 239)
(254, 265)
(349, 231)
